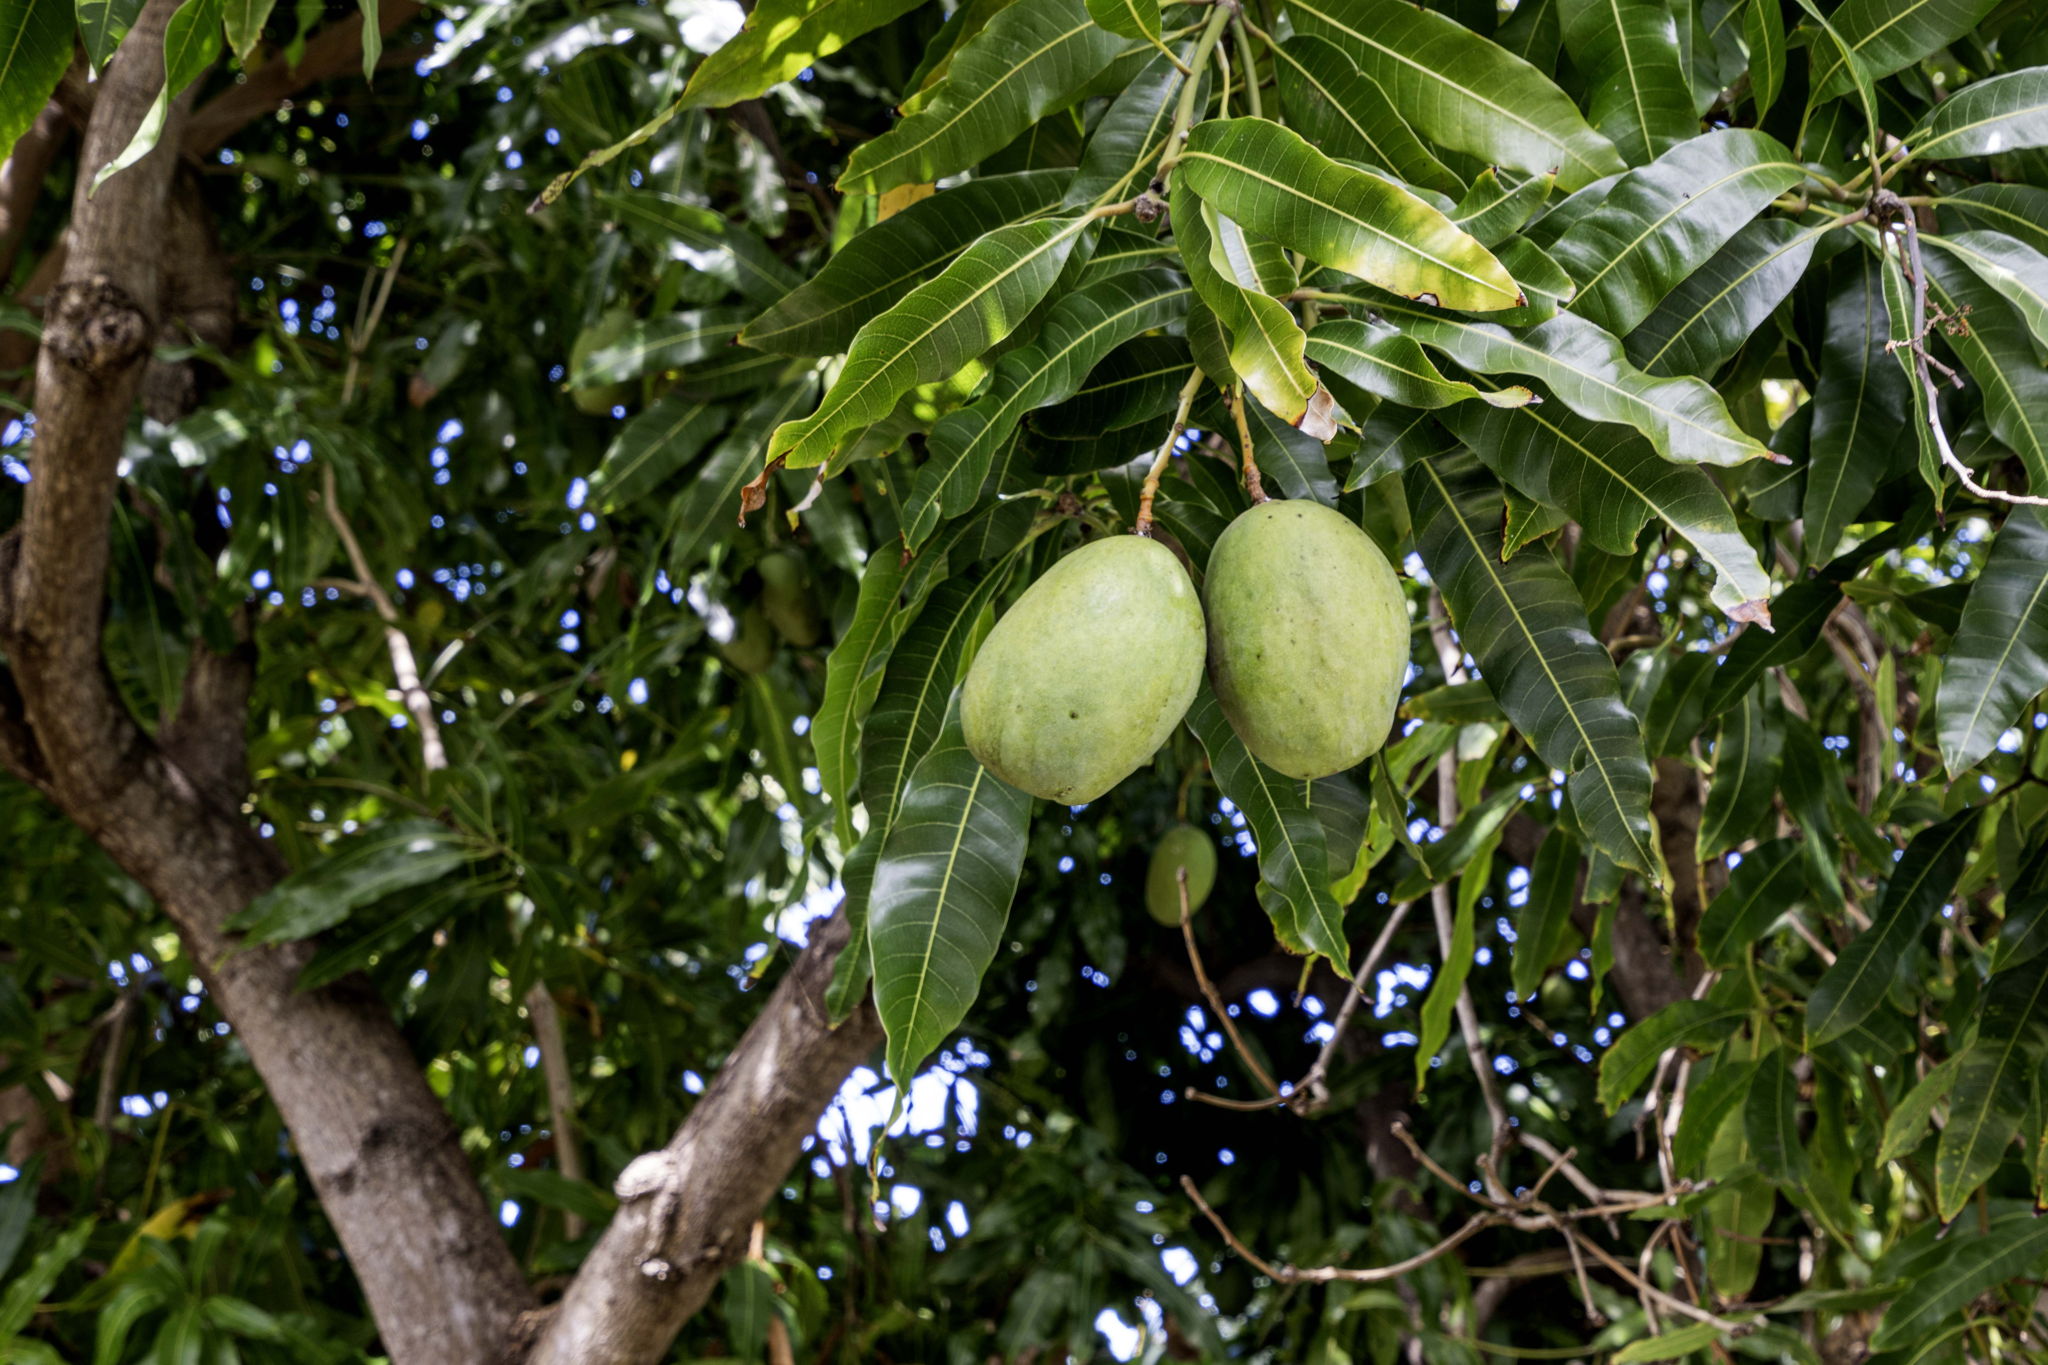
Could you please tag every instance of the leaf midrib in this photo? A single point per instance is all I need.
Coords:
(924, 964)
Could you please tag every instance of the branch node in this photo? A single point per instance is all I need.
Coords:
(95, 326)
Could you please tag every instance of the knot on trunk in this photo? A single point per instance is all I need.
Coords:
(95, 326)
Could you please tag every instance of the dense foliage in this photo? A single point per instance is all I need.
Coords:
(1685, 355)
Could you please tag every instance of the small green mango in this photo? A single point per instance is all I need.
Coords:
(1086, 676)
(752, 646)
(1308, 637)
(786, 598)
(1183, 846)
(599, 399)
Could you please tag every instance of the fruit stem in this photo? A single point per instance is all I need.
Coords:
(1247, 464)
(1143, 527)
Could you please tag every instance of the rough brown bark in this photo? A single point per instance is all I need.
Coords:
(381, 1153)
(688, 1208)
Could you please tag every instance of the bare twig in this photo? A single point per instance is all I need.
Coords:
(554, 1067)
(1309, 1094)
(1187, 930)
(368, 315)
(1287, 1274)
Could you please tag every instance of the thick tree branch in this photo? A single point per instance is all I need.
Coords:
(688, 1208)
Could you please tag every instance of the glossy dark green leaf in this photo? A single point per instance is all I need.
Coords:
(1990, 1094)
(1684, 1023)
(1135, 383)
(35, 47)
(1524, 623)
(1759, 893)
(1637, 94)
(1998, 662)
(1770, 1122)
(1266, 177)
(2001, 114)
(1294, 460)
(1124, 149)
(2017, 271)
(1887, 35)
(1543, 930)
(1461, 90)
(1763, 29)
(1709, 1101)
(191, 43)
(780, 39)
(394, 856)
(1745, 773)
(1346, 114)
(244, 20)
(1128, 18)
(1862, 973)
(651, 448)
(1664, 221)
(659, 343)
(853, 675)
(1389, 365)
(706, 515)
(934, 330)
(1703, 322)
(1942, 1280)
(1907, 1124)
(2018, 211)
(1998, 355)
(1034, 58)
(1499, 204)
(102, 24)
(1449, 980)
(941, 896)
(1860, 408)
(1294, 871)
(881, 265)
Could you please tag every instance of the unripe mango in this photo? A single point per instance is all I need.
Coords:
(1308, 637)
(1183, 846)
(1086, 676)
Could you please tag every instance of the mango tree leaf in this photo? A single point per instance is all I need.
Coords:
(1758, 895)
(1676, 1344)
(659, 343)
(1770, 1123)
(1852, 63)
(781, 38)
(939, 327)
(1266, 177)
(1265, 343)
(1124, 150)
(1343, 112)
(1998, 662)
(942, 895)
(881, 265)
(1907, 1124)
(1860, 408)
(652, 447)
(1463, 91)
(1611, 481)
(32, 1285)
(704, 516)
(1709, 1102)
(2001, 114)
(1523, 621)
(666, 222)
(1890, 35)
(1389, 365)
(1435, 1016)
(1683, 1023)
(1544, 927)
(1943, 1279)
(1079, 331)
(35, 47)
(133, 1301)
(102, 24)
(1294, 873)
(2017, 271)
(2018, 211)
(1660, 223)
(1637, 92)
(1745, 775)
(191, 42)
(1861, 975)
(1995, 349)
(1585, 368)
(1991, 1089)
(1498, 204)
(1702, 322)
(394, 856)
(1033, 59)
(1128, 18)
(853, 675)
(1763, 29)
(1291, 457)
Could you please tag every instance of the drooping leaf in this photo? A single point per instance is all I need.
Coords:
(394, 856)
(937, 328)
(1907, 1124)
(1081, 329)
(1998, 662)
(1943, 1279)
(1701, 323)
(1745, 774)
(245, 20)
(1763, 29)
(1709, 1101)
(1266, 177)
(2018, 272)
(941, 896)
(2018, 211)
(1523, 621)
(1663, 221)
(659, 343)
(1033, 59)
(1124, 150)
(1758, 895)
(2001, 114)
(853, 675)
(1856, 984)
(1612, 482)
(780, 39)
(1629, 53)
(1444, 989)
(1545, 925)
(35, 47)
(881, 265)
(1770, 1122)
(1461, 90)
(1389, 365)
(1888, 35)
(1859, 410)
(191, 42)
(1989, 1098)
(1585, 369)
(1684, 1023)
(1346, 114)
(1294, 873)
(666, 222)
(652, 447)
(1999, 356)
(102, 24)
(706, 514)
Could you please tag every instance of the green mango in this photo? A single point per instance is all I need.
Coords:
(599, 399)
(786, 598)
(1086, 676)
(1308, 637)
(1183, 846)
(752, 646)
